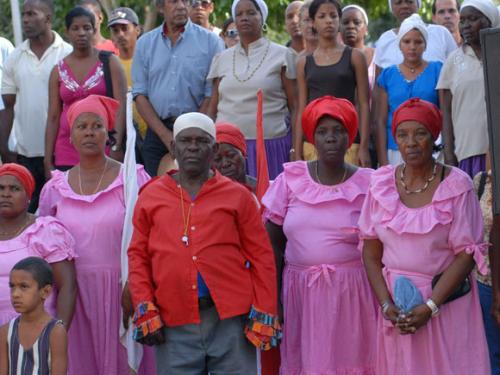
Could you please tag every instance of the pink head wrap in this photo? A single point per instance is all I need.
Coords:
(102, 106)
(22, 174)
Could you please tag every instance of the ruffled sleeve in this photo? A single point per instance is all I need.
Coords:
(275, 201)
(50, 240)
(365, 221)
(49, 196)
(466, 233)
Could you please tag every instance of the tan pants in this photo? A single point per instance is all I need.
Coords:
(351, 155)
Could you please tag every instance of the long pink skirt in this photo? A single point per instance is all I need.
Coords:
(330, 319)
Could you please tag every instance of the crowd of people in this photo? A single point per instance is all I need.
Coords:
(203, 200)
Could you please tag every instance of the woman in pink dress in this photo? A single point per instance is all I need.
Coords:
(89, 200)
(421, 223)
(78, 75)
(312, 210)
(24, 235)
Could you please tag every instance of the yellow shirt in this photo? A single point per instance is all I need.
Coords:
(127, 66)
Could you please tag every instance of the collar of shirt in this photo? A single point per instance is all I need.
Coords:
(58, 41)
(164, 29)
(212, 181)
(259, 44)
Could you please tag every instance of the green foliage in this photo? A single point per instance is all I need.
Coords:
(378, 12)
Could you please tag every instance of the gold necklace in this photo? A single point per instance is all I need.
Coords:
(317, 175)
(423, 188)
(240, 80)
(15, 233)
(185, 222)
(100, 178)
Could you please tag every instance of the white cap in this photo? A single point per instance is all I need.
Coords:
(486, 7)
(411, 23)
(194, 120)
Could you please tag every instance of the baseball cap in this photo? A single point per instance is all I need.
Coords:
(123, 15)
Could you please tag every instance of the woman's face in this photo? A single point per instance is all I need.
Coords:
(306, 25)
(326, 21)
(80, 33)
(231, 36)
(248, 19)
(412, 46)
(472, 21)
(353, 27)
(402, 9)
(414, 142)
(89, 134)
(331, 140)
(13, 198)
(229, 161)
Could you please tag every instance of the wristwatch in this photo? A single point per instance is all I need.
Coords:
(116, 148)
(432, 305)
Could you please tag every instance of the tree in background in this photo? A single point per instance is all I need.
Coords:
(378, 11)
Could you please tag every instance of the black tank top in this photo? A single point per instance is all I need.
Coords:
(337, 79)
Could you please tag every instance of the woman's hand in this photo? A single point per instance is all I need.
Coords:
(392, 314)
(364, 157)
(416, 318)
(127, 306)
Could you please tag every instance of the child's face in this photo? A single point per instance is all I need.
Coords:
(25, 294)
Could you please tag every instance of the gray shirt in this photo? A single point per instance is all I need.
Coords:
(174, 77)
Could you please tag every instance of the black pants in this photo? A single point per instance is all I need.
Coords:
(153, 149)
(35, 166)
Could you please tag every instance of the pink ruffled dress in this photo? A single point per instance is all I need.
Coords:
(45, 238)
(96, 222)
(329, 309)
(420, 243)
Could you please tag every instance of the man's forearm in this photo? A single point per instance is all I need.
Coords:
(151, 118)
(6, 121)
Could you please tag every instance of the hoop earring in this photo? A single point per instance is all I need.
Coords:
(264, 28)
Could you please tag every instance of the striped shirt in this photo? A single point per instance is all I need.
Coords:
(34, 361)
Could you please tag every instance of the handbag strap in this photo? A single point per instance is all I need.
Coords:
(104, 57)
(482, 184)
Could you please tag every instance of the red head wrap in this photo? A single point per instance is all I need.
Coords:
(419, 110)
(22, 174)
(340, 109)
(231, 134)
(102, 106)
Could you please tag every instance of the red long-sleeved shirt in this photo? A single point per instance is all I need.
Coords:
(228, 245)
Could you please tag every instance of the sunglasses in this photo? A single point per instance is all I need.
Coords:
(200, 3)
(232, 33)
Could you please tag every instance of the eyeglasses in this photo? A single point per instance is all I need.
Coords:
(232, 33)
(200, 3)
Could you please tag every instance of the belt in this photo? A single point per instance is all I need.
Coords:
(205, 303)
(169, 122)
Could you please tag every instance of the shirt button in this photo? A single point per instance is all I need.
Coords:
(194, 258)
(193, 287)
(192, 204)
(193, 228)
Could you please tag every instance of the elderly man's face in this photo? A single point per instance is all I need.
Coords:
(447, 15)
(194, 151)
(175, 12)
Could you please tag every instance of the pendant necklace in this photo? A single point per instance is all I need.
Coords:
(423, 188)
(98, 183)
(338, 183)
(185, 221)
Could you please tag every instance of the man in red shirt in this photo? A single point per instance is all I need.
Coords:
(201, 269)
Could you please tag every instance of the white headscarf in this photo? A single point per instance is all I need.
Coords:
(419, 4)
(262, 7)
(412, 22)
(486, 7)
(194, 120)
(357, 7)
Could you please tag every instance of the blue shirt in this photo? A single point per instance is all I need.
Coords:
(174, 77)
(399, 90)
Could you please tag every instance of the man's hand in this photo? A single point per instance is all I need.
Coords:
(152, 339)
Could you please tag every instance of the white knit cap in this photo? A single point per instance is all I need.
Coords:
(419, 4)
(194, 120)
(486, 7)
(412, 22)
(261, 4)
(357, 7)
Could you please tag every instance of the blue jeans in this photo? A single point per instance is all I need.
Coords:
(492, 330)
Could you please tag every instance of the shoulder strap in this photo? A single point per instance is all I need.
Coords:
(104, 57)
(482, 184)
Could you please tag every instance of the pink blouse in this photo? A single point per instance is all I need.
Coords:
(424, 240)
(46, 238)
(319, 221)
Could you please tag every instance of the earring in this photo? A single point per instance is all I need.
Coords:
(264, 27)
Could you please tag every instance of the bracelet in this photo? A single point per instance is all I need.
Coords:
(432, 305)
(292, 150)
(385, 306)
